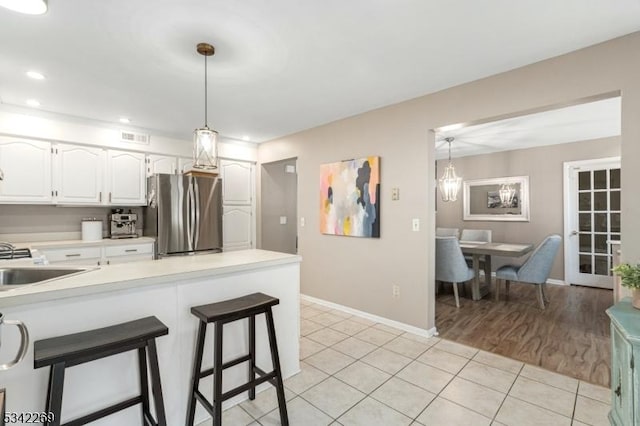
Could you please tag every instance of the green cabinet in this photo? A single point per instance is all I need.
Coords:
(625, 349)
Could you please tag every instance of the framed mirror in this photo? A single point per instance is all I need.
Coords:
(505, 198)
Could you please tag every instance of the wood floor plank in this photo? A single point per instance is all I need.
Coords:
(570, 337)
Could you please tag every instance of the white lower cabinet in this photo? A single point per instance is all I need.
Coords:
(105, 254)
(237, 228)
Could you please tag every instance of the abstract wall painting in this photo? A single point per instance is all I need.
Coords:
(350, 198)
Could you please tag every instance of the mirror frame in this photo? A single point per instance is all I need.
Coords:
(524, 199)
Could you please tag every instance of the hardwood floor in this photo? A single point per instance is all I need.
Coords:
(570, 337)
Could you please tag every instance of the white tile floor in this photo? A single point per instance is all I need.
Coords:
(357, 372)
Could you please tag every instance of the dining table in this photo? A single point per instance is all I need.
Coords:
(484, 250)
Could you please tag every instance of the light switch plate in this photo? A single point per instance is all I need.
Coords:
(302, 222)
(416, 225)
(283, 220)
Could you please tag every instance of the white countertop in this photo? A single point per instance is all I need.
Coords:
(139, 274)
(80, 243)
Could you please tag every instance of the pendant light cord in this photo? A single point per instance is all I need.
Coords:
(205, 92)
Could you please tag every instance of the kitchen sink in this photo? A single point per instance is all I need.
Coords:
(13, 277)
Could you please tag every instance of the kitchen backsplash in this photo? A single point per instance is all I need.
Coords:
(35, 223)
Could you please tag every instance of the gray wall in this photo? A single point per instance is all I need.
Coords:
(36, 219)
(359, 272)
(544, 166)
(278, 192)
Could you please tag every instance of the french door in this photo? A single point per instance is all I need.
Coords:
(592, 219)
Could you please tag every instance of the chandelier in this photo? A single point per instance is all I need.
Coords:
(449, 182)
(507, 192)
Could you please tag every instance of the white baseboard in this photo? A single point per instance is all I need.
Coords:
(386, 321)
(552, 281)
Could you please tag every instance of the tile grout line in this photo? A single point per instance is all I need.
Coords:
(507, 394)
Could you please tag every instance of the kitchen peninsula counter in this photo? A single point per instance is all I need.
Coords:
(167, 289)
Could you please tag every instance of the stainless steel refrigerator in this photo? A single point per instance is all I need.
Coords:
(184, 214)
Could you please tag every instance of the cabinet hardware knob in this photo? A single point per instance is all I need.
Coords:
(1, 175)
(109, 197)
(131, 250)
(100, 197)
(618, 391)
(73, 255)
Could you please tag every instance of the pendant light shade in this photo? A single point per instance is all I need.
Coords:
(507, 192)
(205, 140)
(449, 182)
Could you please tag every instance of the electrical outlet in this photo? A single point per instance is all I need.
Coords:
(395, 289)
(395, 194)
(416, 225)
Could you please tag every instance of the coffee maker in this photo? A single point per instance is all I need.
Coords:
(123, 225)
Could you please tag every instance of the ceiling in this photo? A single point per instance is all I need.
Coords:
(280, 66)
(592, 120)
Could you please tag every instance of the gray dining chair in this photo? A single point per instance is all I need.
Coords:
(447, 232)
(450, 264)
(534, 271)
(482, 235)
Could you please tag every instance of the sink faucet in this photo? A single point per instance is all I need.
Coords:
(7, 247)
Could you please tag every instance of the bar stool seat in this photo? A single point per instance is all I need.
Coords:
(67, 351)
(220, 313)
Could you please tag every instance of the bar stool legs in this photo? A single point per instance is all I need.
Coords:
(219, 314)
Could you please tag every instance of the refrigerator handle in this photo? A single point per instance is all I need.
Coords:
(189, 219)
(196, 192)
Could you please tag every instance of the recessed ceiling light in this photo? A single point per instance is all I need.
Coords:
(28, 7)
(34, 74)
(33, 103)
(125, 120)
(246, 138)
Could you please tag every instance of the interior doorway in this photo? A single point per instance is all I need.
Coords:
(592, 220)
(278, 218)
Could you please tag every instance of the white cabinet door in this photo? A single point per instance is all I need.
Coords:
(25, 171)
(237, 182)
(184, 164)
(161, 164)
(237, 228)
(78, 174)
(126, 174)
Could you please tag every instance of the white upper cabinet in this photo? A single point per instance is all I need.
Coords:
(237, 182)
(126, 178)
(161, 164)
(184, 164)
(25, 171)
(78, 174)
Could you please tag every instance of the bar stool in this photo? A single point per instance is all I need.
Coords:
(74, 349)
(219, 314)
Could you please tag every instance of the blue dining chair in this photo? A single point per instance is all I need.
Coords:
(450, 264)
(534, 271)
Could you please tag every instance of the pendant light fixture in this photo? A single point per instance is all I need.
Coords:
(507, 192)
(449, 182)
(205, 140)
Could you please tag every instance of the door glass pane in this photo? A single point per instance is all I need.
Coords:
(600, 245)
(600, 179)
(614, 178)
(584, 201)
(600, 201)
(585, 221)
(615, 222)
(585, 243)
(614, 237)
(614, 197)
(584, 180)
(585, 263)
(600, 220)
(602, 265)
